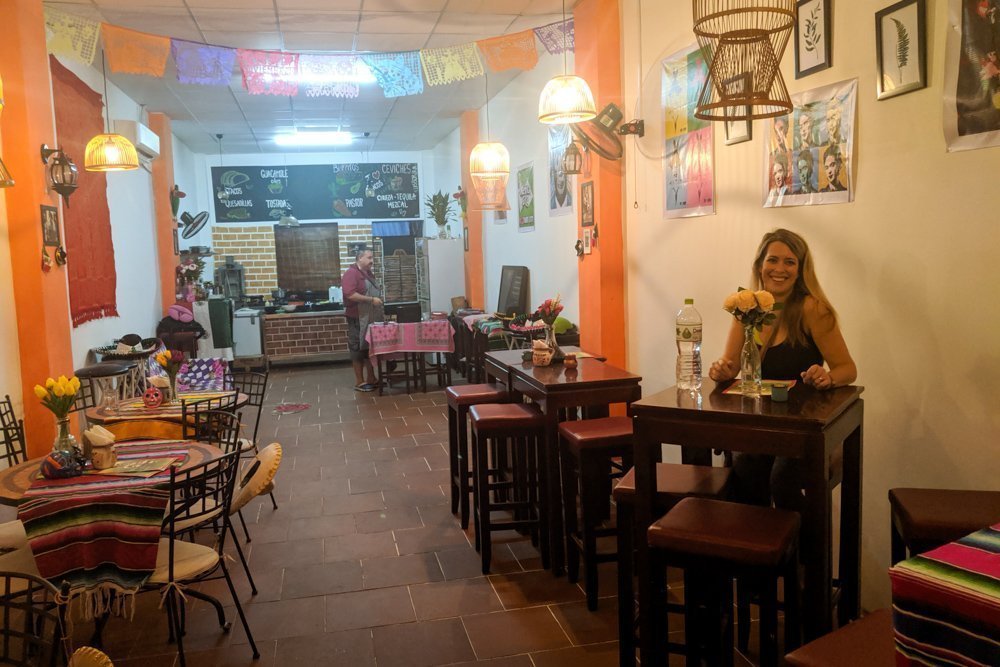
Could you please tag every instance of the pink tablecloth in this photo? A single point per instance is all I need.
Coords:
(392, 337)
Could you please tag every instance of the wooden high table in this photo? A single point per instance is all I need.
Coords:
(811, 426)
(592, 384)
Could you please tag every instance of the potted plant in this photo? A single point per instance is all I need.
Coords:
(439, 207)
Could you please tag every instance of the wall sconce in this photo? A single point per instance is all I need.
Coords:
(6, 180)
(63, 174)
(572, 162)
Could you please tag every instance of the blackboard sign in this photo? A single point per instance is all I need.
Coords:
(316, 192)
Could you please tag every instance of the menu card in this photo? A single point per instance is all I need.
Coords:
(137, 467)
(765, 386)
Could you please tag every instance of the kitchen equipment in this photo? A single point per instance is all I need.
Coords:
(278, 294)
(247, 333)
(336, 294)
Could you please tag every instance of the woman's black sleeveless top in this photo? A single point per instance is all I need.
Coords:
(785, 362)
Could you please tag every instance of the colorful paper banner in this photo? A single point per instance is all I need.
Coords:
(132, 52)
(330, 76)
(557, 37)
(202, 64)
(397, 73)
(70, 35)
(269, 72)
(450, 63)
(510, 51)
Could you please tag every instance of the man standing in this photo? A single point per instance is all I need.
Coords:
(362, 303)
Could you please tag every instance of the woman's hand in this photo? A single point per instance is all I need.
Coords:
(818, 377)
(723, 369)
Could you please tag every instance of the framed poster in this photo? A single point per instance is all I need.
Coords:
(50, 226)
(560, 184)
(588, 241)
(689, 165)
(972, 75)
(813, 43)
(587, 204)
(465, 237)
(901, 48)
(814, 165)
(526, 198)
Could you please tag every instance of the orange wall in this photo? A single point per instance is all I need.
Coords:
(602, 284)
(474, 289)
(41, 299)
(163, 181)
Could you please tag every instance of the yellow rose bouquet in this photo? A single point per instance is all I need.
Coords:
(751, 309)
(171, 361)
(58, 395)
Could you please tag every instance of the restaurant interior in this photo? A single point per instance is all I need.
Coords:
(437, 332)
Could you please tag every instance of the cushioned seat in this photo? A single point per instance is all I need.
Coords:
(603, 432)
(12, 535)
(733, 532)
(675, 481)
(923, 519)
(518, 417)
(472, 394)
(867, 642)
(190, 561)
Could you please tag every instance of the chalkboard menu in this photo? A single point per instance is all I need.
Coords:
(316, 192)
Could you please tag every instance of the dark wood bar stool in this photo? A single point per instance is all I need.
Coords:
(588, 449)
(674, 482)
(924, 519)
(517, 428)
(716, 541)
(460, 399)
(867, 642)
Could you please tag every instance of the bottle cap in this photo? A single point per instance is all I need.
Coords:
(688, 302)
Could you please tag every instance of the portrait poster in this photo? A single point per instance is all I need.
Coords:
(972, 75)
(808, 153)
(499, 217)
(560, 184)
(587, 204)
(688, 163)
(526, 198)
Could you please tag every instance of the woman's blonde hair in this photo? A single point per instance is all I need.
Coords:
(805, 284)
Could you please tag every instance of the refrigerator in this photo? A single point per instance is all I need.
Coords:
(247, 340)
(440, 273)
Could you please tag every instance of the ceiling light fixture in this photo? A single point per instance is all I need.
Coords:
(566, 98)
(109, 151)
(338, 138)
(489, 167)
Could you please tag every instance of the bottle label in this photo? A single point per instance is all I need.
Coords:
(689, 333)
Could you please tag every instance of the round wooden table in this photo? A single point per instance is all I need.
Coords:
(15, 481)
(170, 412)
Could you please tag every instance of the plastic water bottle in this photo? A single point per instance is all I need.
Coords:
(688, 347)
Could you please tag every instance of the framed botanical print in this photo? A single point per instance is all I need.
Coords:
(901, 48)
(813, 41)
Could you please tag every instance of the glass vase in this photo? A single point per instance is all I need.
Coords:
(65, 441)
(442, 231)
(750, 365)
(550, 340)
(173, 388)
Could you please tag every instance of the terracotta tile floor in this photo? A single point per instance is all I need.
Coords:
(363, 563)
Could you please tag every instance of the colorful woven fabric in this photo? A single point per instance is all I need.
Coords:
(397, 73)
(133, 52)
(450, 63)
(269, 72)
(557, 37)
(515, 51)
(100, 533)
(70, 35)
(330, 76)
(392, 337)
(470, 320)
(202, 64)
(202, 375)
(946, 603)
(134, 408)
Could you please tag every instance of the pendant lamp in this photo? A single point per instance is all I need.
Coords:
(489, 167)
(6, 180)
(566, 98)
(109, 151)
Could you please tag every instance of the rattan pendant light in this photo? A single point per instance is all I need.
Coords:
(566, 98)
(743, 41)
(489, 167)
(109, 151)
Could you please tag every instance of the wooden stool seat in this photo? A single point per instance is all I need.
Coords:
(602, 433)
(512, 418)
(923, 519)
(867, 642)
(473, 394)
(460, 398)
(676, 481)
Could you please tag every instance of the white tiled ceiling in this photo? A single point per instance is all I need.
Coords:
(249, 122)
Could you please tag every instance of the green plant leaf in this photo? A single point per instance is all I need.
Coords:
(902, 44)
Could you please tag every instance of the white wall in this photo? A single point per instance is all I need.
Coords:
(186, 176)
(547, 251)
(910, 266)
(10, 369)
(446, 166)
(130, 201)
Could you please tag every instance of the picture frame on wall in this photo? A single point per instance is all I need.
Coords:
(738, 131)
(588, 241)
(50, 226)
(587, 204)
(901, 48)
(465, 236)
(813, 39)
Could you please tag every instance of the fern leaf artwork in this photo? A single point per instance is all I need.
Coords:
(812, 36)
(902, 47)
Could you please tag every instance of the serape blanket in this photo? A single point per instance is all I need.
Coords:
(392, 337)
(946, 603)
(134, 407)
(100, 533)
(493, 328)
(470, 320)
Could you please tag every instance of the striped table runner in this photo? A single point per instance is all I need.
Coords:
(100, 533)
(946, 603)
(136, 408)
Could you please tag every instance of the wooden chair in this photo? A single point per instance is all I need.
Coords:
(867, 642)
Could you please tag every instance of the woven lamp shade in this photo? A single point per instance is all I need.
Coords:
(6, 180)
(743, 41)
(489, 167)
(110, 152)
(566, 99)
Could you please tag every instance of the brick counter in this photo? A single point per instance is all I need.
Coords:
(305, 337)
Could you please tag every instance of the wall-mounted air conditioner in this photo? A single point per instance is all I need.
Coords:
(146, 142)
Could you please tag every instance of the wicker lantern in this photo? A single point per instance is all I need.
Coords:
(743, 41)
(489, 167)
